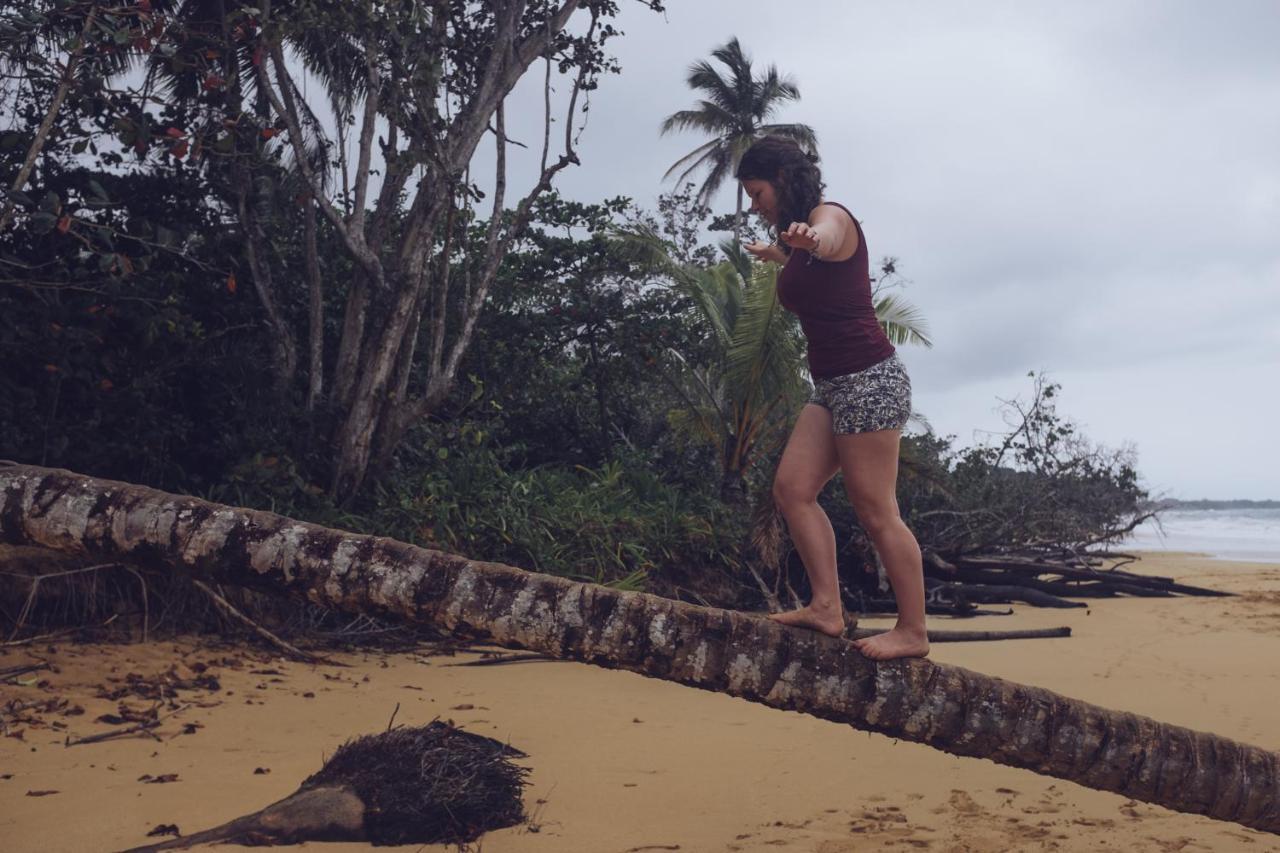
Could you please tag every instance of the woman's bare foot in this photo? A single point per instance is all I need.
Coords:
(897, 643)
(826, 620)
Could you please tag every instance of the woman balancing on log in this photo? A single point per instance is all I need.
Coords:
(853, 421)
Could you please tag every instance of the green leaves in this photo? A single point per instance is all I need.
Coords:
(743, 396)
(902, 322)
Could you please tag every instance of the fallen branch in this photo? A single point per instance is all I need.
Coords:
(944, 636)
(144, 727)
(15, 671)
(53, 636)
(498, 660)
(1002, 593)
(285, 646)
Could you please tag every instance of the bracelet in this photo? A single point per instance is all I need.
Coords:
(813, 253)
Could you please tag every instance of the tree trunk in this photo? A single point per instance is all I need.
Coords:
(42, 132)
(737, 219)
(949, 708)
(315, 306)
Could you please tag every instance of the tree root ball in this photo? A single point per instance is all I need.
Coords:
(433, 784)
(428, 784)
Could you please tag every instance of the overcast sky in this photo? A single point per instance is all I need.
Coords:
(1090, 189)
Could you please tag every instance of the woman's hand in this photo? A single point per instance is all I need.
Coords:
(766, 252)
(800, 235)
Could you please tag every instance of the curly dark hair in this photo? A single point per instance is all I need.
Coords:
(794, 173)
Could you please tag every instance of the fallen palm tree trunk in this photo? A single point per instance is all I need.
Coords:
(947, 707)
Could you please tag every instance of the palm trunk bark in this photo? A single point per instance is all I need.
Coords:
(949, 708)
(737, 219)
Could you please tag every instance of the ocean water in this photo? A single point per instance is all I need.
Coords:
(1251, 535)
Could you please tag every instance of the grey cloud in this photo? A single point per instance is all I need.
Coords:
(1087, 188)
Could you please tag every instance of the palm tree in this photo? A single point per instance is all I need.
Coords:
(733, 112)
(744, 394)
(946, 707)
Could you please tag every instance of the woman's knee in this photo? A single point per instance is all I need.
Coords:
(789, 491)
(877, 517)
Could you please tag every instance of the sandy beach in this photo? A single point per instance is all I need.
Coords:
(625, 763)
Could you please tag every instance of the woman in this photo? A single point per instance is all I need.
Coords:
(853, 421)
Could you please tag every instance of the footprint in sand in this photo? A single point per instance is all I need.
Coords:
(963, 803)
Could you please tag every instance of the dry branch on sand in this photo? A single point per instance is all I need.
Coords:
(739, 654)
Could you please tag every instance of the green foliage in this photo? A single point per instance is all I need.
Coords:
(137, 363)
(740, 391)
(618, 523)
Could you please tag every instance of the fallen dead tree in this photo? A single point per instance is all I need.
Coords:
(949, 708)
(1040, 581)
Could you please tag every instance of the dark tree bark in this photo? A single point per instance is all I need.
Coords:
(739, 654)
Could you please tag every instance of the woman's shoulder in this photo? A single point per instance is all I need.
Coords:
(825, 208)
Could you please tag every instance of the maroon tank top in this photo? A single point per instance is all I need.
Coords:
(833, 302)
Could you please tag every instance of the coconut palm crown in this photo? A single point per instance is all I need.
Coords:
(734, 111)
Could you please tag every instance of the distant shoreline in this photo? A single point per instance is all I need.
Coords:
(1172, 503)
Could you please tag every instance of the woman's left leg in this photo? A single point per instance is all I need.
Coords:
(869, 462)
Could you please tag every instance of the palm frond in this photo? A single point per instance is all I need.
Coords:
(918, 419)
(763, 358)
(711, 157)
(806, 136)
(738, 62)
(702, 285)
(902, 321)
(720, 170)
(698, 153)
(703, 77)
(772, 89)
(738, 257)
(708, 118)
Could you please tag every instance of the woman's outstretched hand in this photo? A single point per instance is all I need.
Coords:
(800, 235)
(766, 252)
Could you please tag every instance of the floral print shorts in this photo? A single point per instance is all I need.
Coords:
(873, 399)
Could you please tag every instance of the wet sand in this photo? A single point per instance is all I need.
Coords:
(625, 763)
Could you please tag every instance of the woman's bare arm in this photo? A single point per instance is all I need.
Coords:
(829, 234)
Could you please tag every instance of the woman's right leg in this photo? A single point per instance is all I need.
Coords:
(808, 462)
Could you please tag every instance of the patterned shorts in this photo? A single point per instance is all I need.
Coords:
(873, 399)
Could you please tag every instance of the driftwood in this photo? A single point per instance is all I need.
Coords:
(737, 654)
(1040, 581)
(944, 636)
(1000, 593)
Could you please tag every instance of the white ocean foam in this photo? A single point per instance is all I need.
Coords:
(1226, 534)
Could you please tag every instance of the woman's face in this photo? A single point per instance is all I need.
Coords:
(764, 198)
